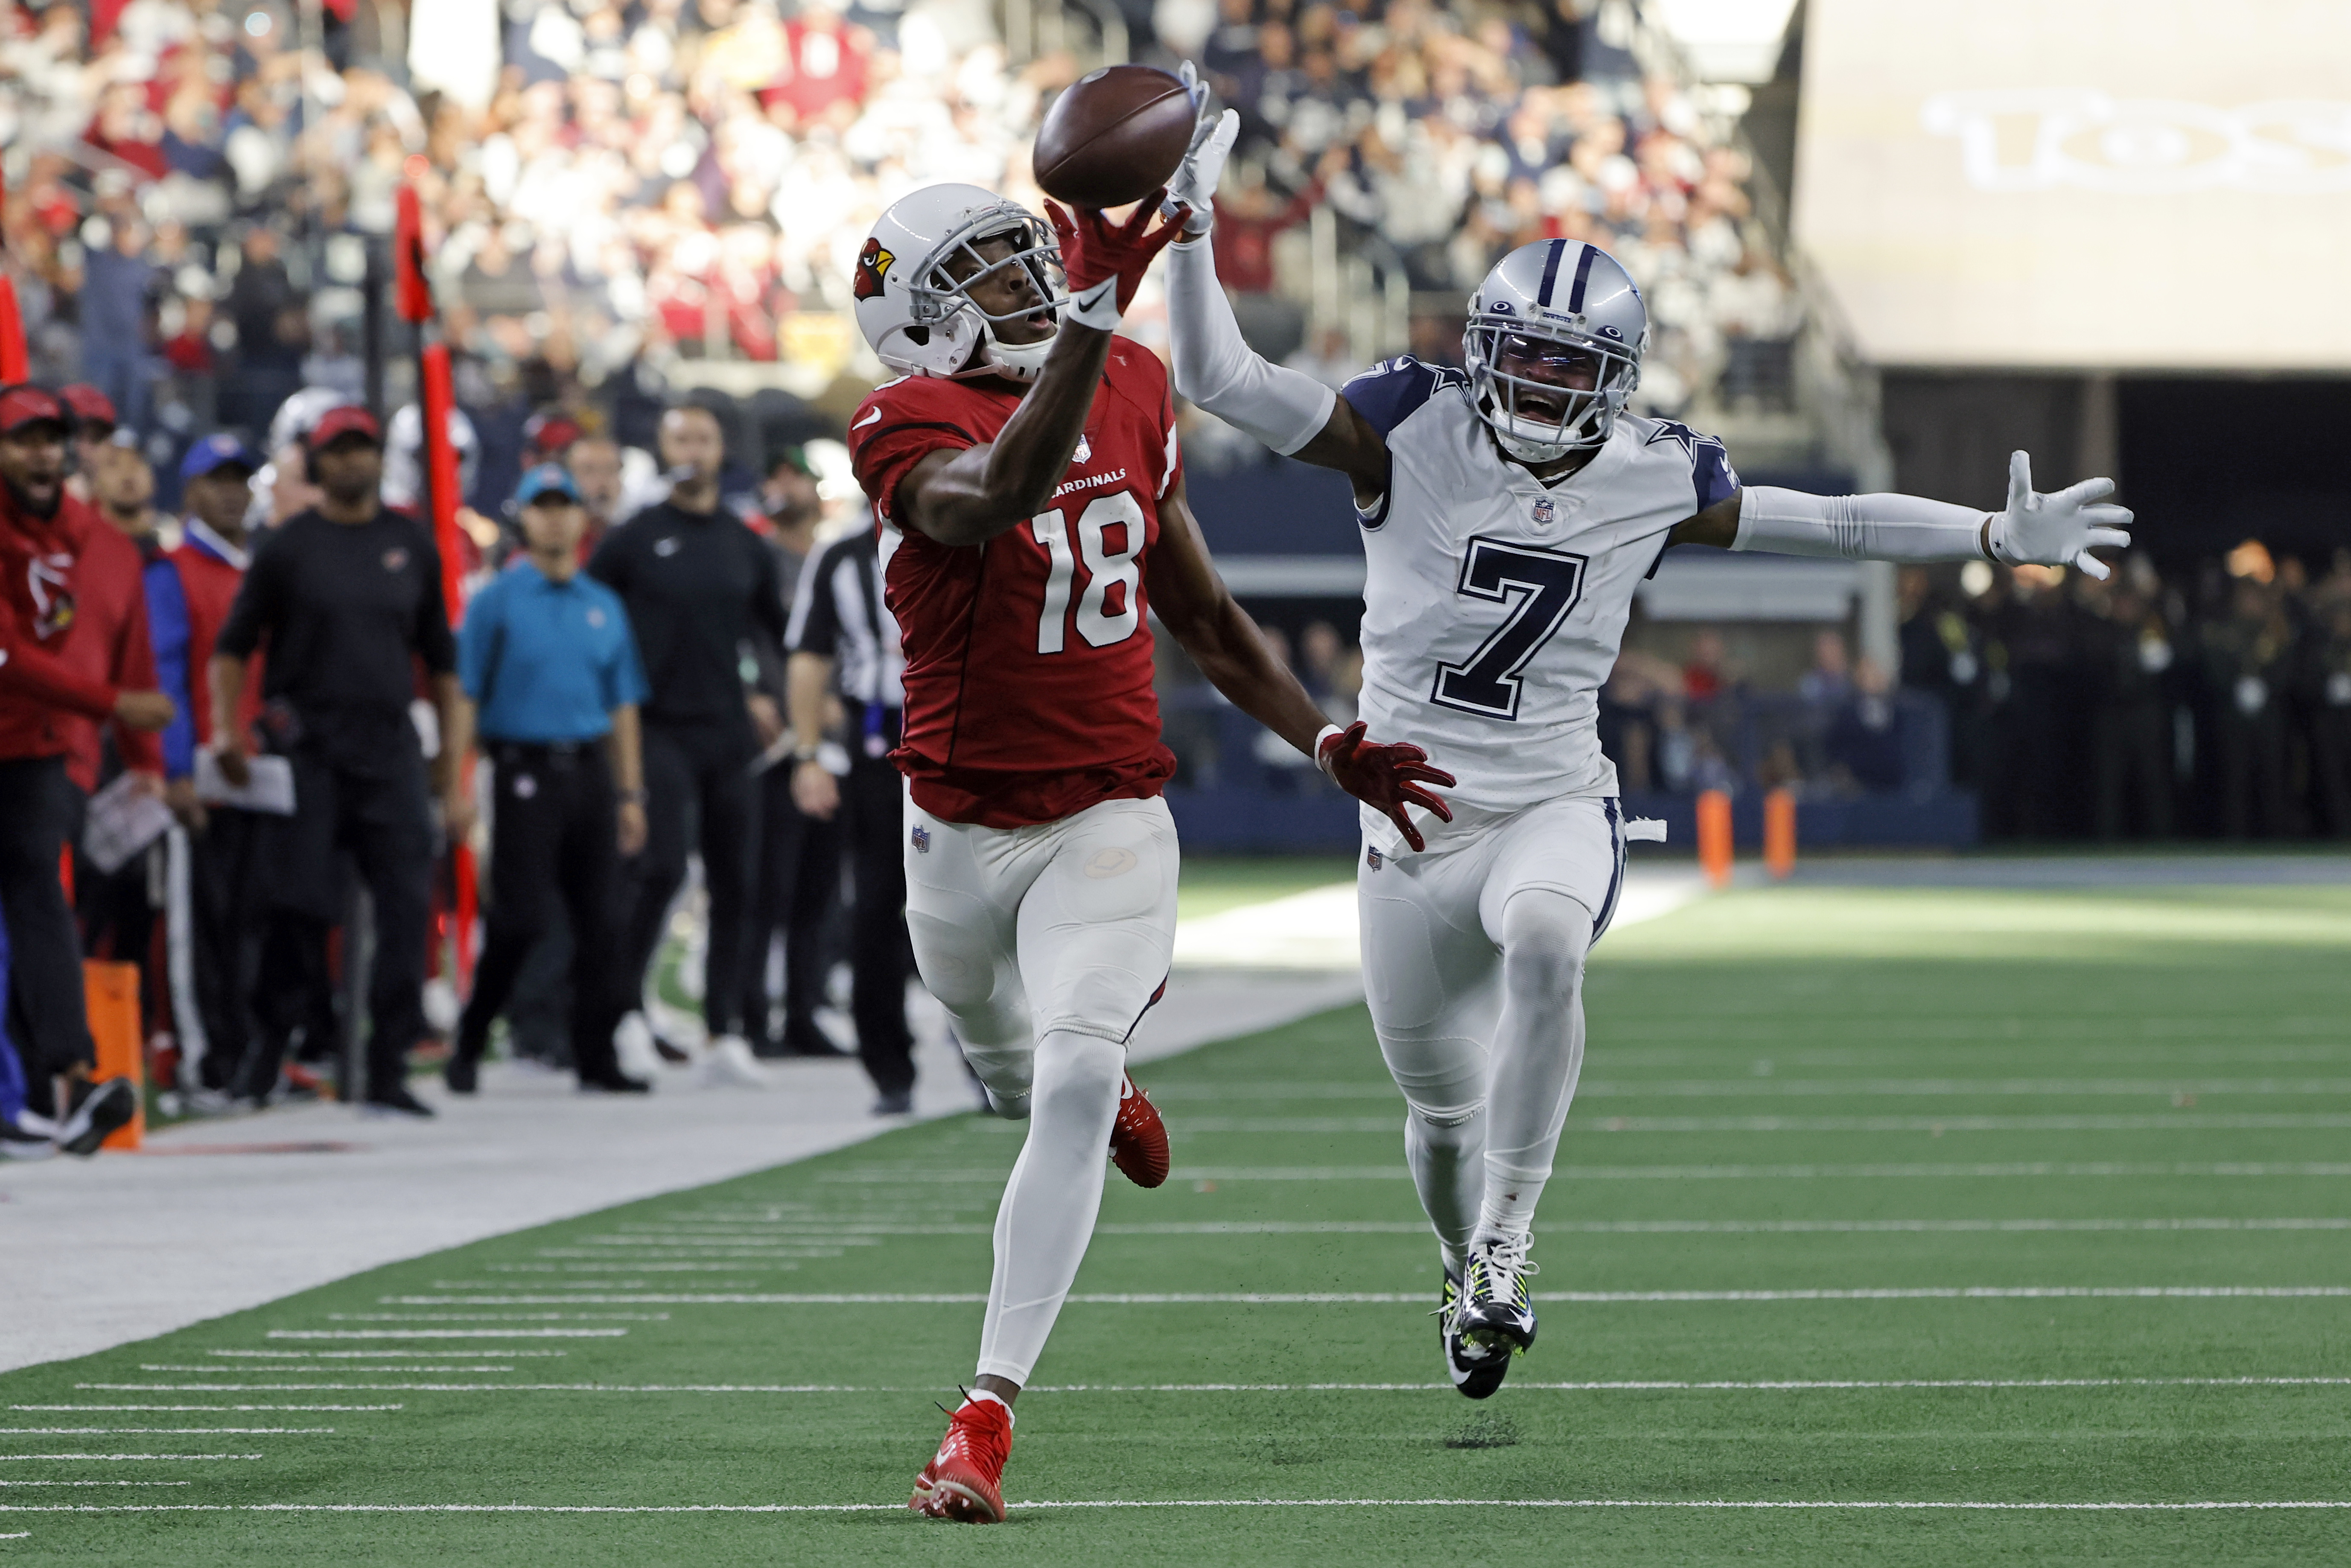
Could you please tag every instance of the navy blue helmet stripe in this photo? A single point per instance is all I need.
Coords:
(1582, 276)
(1551, 272)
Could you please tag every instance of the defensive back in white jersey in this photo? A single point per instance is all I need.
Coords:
(1494, 604)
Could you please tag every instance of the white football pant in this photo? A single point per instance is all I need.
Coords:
(1473, 966)
(1045, 945)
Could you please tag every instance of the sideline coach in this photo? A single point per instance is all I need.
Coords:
(548, 658)
(347, 594)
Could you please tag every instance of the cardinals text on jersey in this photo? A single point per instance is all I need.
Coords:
(1029, 659)
(1494, 604)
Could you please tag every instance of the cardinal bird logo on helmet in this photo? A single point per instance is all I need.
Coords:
(871, 263)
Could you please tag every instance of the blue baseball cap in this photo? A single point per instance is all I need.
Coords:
(214, 453)
(546, 479)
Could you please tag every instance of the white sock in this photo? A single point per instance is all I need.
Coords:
(1047, 1214)
(1537, 1051)
(977, 1395)
(1449, 1169)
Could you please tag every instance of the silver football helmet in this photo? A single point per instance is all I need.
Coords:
(1550, 316)
(918, 315)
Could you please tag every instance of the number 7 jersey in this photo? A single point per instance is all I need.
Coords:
(1493, 605)
(1028, 658)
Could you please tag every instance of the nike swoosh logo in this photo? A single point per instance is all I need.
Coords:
(869, 418)
(1089, 300)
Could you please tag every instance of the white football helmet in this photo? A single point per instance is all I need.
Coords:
(919, 318)
(1553, 301)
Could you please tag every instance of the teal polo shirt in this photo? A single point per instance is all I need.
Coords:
(546, 663)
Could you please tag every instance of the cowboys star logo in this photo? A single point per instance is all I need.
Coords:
(871, 263)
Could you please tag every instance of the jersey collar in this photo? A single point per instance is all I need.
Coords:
(212, 543)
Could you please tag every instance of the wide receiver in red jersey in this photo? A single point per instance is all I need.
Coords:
(1030, 494)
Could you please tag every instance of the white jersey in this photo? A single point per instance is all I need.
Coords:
(1493, 605)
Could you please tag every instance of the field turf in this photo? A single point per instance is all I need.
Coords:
(1891, 1227)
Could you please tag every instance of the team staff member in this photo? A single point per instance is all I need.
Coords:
(216, 485)
(702, 598)
(346, 597)
(546, 658)
(44, 536)
(839, 627)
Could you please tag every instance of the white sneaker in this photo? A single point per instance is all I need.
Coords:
(731, 1065)
(632, 1042)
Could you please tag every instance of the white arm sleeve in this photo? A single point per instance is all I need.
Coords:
(1218, 371)
(1857, 527)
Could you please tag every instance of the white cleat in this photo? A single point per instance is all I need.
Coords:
(632, 1042)
(731, 1065)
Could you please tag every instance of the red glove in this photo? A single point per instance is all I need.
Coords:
(1385, 775)
(1094, 253)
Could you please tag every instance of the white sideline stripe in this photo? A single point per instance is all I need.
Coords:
(118, 1459)
(2197, 1507)
(405, 1366)
(494, 1317)
(446, 1333)
(369, 1354)
(1398, 1172)
(1593, 1227)
(91, 1484)
(86, 1409)
(1666, 1386)
(1766, 1084)
(163, 1431)
(2177, 1121)
(1338, 1298)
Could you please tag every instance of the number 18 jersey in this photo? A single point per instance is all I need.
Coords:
(1028, 658)
(1494, 604)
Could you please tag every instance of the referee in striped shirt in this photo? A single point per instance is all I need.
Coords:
(842, 637)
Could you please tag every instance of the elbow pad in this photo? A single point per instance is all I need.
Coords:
(1218, 371)
(1906, 529)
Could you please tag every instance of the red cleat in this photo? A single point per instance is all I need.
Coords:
(1138, 1138)
(965, 1480)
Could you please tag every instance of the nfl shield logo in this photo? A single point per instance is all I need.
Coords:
(1372, 856)
(1545, 513)
(922, 840)
(1083, 454)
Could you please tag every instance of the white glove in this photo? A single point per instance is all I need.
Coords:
(1195, 179)
(2060, 529)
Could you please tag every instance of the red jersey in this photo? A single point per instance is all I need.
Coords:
(1029, 665)
(210, 569)
(108, 642)
(42, 689)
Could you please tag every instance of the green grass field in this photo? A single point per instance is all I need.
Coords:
(1944, 1199)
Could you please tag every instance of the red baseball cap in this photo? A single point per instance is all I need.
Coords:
(91, 405)
(24, 405)
(348, 419)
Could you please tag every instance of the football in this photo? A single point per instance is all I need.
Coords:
(1113, 137)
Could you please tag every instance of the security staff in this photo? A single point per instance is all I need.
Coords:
(702, 598)
(546, 659)
(346, 597)
(841, 629)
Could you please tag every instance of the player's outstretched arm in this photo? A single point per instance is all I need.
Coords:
(969, 496)
(1192, 601)
(1293, 414)
(2058, 529)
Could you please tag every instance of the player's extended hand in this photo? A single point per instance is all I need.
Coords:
(2060, 529)
(1104, 262)
(1387, 776)
(1196, 180)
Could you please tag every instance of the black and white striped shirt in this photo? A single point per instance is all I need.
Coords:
(838, 613)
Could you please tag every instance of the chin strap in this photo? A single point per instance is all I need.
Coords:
(1022, 361)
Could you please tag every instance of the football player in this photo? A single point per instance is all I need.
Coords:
(1029, 493)
(1507, 513)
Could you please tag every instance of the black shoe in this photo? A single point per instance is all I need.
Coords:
(901, 1104)
(462, 1072)
(614, 1083)
(96, 1110)
(395, 1101)
(1476, 1378)
(19, 1143)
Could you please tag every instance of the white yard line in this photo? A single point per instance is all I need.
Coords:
(446, 1333)
(1612, 1385)
(1397, 1172)
(2188, 1121)
(290, 1409)
(119, 1458)
(164, 1431)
